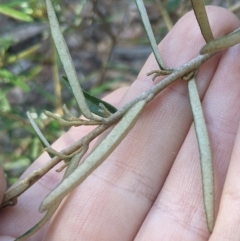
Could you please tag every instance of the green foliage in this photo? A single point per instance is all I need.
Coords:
(172, 5)
(13, 13)
(7, 77)
(92, 101)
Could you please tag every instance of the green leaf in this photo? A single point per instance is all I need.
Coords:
(40, 135)
(12, 13)
(5, 43)
(172, 5)
(20, 163)
(17, 3)
(5, 106)
(92, 101)
(38, 132)
(8, 77)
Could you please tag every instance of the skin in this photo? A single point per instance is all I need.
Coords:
(150, 187)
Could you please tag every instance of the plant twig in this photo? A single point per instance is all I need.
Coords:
(152, 92)
(71, 121)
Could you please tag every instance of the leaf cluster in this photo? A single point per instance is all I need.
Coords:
(103, 116)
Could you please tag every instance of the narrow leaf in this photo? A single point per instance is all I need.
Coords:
(5, 107)
(205, 153)
(202, 19)
(92, 101)
(7, 76)
(150, 35)
(40, 224)
(12, 13)
(38, 132)
(70, 168)
(222, 43)
(96, 157)
(67, 63)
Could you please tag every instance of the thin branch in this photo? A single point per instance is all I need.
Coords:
(71, 121)
(152, 92)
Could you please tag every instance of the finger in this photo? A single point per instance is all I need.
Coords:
(114, 200)
(2, 184)
(6, 238)
(178, 213)
(2, 191)
(228, 219)
(18, 219)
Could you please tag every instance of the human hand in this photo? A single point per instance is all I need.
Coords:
(150, 187)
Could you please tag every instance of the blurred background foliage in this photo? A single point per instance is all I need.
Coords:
(107, 43)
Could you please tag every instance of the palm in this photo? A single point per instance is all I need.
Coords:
(150, 187)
